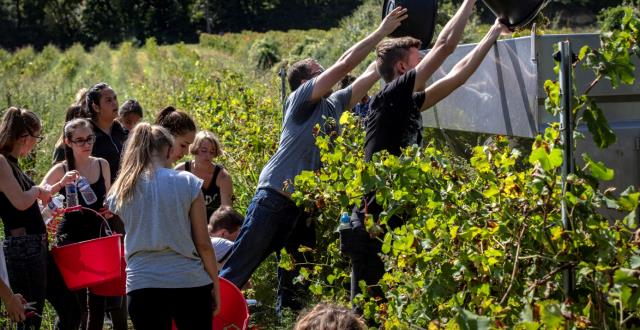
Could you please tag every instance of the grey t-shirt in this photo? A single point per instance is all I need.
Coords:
(158, 245)
(297, 150)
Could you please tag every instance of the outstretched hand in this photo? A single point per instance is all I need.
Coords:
(502, 27)
(393, 20)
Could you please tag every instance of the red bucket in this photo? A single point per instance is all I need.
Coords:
(89, 263)
(234, 313)
(116, 287)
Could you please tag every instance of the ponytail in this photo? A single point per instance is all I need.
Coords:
(145, 142)
(93, 97)
(177, 122)
(16, 123)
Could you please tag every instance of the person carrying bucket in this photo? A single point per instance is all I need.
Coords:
(81, 225)
(30, 268)
(171, 268)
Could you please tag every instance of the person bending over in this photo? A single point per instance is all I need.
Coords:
(224, 227)
(273, 220)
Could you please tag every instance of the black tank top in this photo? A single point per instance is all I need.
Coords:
(82, 225)
(212, 193)
(12, 218)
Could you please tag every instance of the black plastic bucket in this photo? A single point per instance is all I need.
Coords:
(515, 13)
(421, 21)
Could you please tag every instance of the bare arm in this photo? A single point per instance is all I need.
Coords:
(463, 69)
(106, 173)
(445, 44)
(56, 178)
(361, 86)
(225, 184)
(20, 199)
(198, 217)
(356, 54)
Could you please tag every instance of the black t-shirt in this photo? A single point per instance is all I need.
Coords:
(110, 147)
(394, 119)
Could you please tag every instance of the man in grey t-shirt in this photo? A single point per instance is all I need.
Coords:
(273, 220)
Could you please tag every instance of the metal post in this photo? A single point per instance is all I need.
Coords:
(568, 166)
(283, 87)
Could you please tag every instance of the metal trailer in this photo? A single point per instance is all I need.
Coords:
(506, 96)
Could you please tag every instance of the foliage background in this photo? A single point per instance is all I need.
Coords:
(228, 83)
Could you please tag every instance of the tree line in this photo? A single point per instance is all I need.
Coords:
(64, 22)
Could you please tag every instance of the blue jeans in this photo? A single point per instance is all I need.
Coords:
(271, 219)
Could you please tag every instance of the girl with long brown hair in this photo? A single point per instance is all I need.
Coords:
(29, 266)
(82, 225)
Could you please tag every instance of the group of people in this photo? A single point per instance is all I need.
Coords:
(129, 166)
(173, 214)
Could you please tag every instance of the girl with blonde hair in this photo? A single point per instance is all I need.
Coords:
(170, 260)
(217, 187)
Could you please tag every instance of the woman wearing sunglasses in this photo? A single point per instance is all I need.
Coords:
(81, 225)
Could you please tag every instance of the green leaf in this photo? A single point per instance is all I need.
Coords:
(598, 125)
(635, 261)
(551, 315)
(598, 169)
(386, 245)
(626, 276)
(316, 289)
(491, 191)
(469, 321)
(583, 52)
(628, 200)
(555, 158)
(540, 156)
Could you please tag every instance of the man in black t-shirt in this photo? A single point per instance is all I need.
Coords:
(395, 122)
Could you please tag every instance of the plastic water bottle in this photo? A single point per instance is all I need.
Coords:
(85, 190)
(49, 210)
(72, 197)
(345, 221)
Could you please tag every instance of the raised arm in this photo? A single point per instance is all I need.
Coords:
(361, 86)
(356, 54)
(463, 69)
(445, 44)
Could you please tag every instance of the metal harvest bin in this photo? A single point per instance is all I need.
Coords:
(506, 96)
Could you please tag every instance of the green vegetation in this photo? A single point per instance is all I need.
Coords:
(483, 244)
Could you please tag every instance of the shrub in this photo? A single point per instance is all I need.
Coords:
(264, 53)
